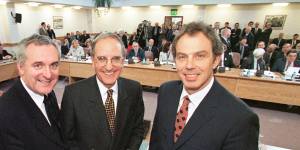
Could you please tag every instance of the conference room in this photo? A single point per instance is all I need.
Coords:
(259, 63)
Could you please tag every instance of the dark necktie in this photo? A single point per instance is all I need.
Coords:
(181, 117)
(49, 106)
(110, 111)
(242, 52)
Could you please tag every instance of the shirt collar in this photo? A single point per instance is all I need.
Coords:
(103, 89)
(37, 98)
(197, 97)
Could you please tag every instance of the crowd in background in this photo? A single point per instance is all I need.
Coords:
(249, 47)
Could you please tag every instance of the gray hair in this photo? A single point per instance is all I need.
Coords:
(199, 27)
(35, 39)
(108, 35)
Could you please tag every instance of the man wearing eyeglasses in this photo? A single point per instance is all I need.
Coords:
(105, 111)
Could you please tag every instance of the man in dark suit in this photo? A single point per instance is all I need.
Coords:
(136, 52)
(104, 112)
(156, 33)
(225, 38)
(242, 48)
(197, 112)
(266, 33)
(256, 31)
(84, 37)
(270, 56)
(250, 38)
(235, 34)
(151, 48)
(282, 64)
(29, 110)
(294, 41)
(279, 41)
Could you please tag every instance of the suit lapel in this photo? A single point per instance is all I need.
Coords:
(173, 103)
(97, 110)
(202, 115)
(123, 106)
(36, 115)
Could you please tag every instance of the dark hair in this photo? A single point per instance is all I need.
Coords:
(166, 47)
(296, 34)
(43, 23)
(192, 29)
(291, 51)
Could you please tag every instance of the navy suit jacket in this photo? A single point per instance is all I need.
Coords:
(221, 121)
(280, 65)
(140, 54)
(23, 126)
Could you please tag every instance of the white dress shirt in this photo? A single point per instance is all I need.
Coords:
(195, 99)
(103, 92)
(38, 100)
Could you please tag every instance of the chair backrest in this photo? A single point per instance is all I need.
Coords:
(236, 58)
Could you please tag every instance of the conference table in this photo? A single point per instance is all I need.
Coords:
(274, 90)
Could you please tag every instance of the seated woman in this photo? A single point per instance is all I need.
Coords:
(76, 50)
(88, 47)
(166, 54)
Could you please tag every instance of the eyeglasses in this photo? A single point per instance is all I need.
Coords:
(116, 60)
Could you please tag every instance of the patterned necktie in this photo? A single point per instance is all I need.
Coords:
(181, 117)
(110, 111)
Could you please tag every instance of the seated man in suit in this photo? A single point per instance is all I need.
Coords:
(151, 48)
(29, 110)
(105, 111)
(283, 53)
(294, 41)
(242, 48)
(282, 65)
(136, 52)
(255, 60)
(197, 112)
(279, 41)
(270, 56)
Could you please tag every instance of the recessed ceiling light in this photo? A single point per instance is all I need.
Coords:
(224, 5)
(280, 4)
(33, 4)
(126, 7)
(187, 6)
(58, 6)
(77, 7)
(155, 7)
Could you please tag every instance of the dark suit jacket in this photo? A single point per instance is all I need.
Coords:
(291, 40)
(84, 122)
(265, 35)
(280, 65)
(227, 43)
(276, 41)
(235, 35)
(238, 49)
(250, 40)
(140, 54)
(154, 50)
(257, 35)
(23, 126)
(220, 122)
(270, 61)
